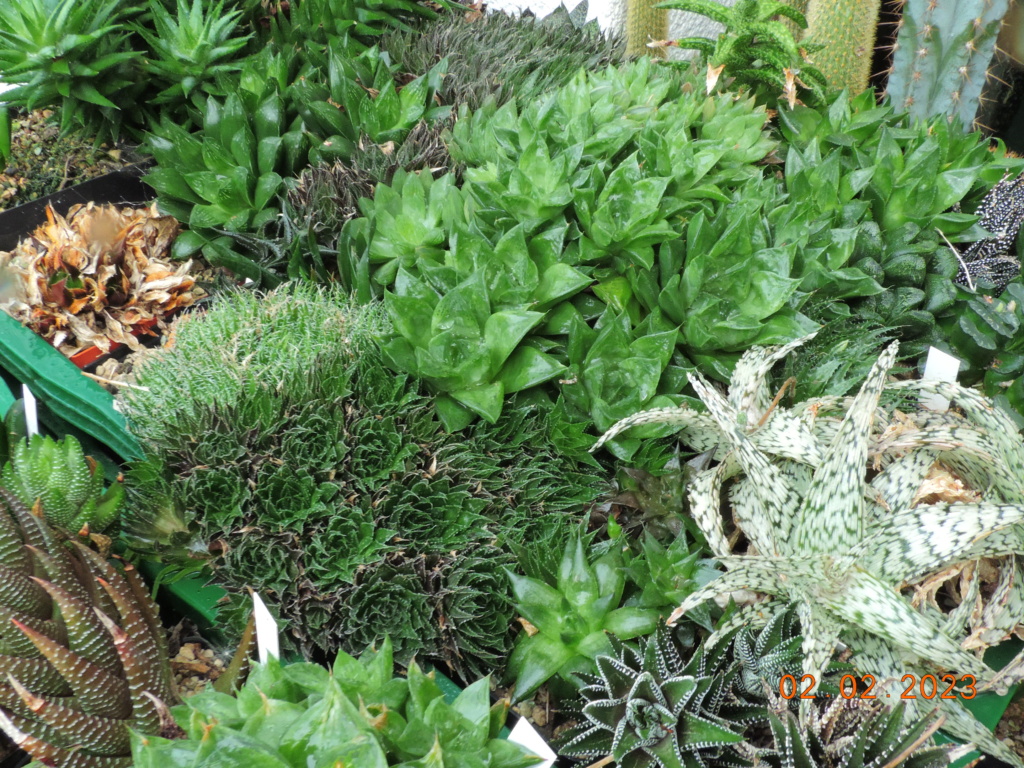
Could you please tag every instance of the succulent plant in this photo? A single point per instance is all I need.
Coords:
(941, 58)
(294, 462)
(648, 707)
(65, 483)
(189, 50)
(856, 733)
(229, 174)
(358, 713)
(766, 653)
(360, 100)
(355, 24)
(501, 56)
(994, 259)
(803, 473)
(755, 49)
(85, 657)
(73, 54)
(571, 620)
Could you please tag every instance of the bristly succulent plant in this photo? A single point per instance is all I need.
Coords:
(281, 450)
(358, 713)
(84, 656)
(836, 536)
(856, 733)
(65, 483)
(499, 56)
(649, 708)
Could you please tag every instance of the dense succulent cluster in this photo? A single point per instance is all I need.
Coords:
(65, 483)
(278, 442)
(84, 656)
(358, 713)
(497, 56)
(806, 470)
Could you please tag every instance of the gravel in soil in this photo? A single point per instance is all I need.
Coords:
(43, 162)
(1011, 728)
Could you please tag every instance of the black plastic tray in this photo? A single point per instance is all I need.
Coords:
(122, 187)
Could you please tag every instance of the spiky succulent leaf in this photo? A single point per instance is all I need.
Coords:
(847, 588)
(360, 713)
(652, 708)
(72, 686)
(64, 481)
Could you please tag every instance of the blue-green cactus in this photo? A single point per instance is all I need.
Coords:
(941, 57)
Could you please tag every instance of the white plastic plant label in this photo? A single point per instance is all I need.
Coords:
(939, 367)
(267, 640)
(525, 734)
(31, 412)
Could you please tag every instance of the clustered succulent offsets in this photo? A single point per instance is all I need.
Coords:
(310, 472)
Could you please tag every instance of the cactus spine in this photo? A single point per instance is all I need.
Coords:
(941, 57)
(846, 29)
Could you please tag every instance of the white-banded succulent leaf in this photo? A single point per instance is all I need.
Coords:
(828, 507)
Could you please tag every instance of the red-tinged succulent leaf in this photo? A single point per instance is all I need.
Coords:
(98, 692)
(146, 652)
(39, 674)
(14, 642)
(60, 571)
(148, 608)
(130, 597)
(23, 721)
(87, 637)
(142, 678)
(95, 734)
(34, 531)
(19, 592)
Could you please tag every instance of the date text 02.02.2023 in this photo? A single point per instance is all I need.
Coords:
(853, 687)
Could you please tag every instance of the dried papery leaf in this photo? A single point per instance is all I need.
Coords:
(96, 275)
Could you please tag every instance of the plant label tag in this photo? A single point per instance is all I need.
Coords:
(267, 640)
(526, 735)
(939, 367)
(31, 412)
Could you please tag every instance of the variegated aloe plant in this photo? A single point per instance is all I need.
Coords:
(828, 508)
(83, 656)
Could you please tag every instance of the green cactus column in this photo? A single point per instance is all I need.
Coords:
(847, 30)
(645, 22)
(943, 50)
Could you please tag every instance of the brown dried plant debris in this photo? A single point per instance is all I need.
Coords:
(195, 667)
(95, 276)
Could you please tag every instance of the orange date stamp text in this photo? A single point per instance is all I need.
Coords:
(862, 687)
